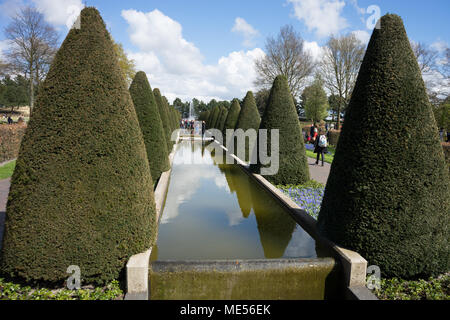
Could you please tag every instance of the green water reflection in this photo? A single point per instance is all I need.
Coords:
(216, 211)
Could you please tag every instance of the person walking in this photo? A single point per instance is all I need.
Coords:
(320, 146)
(203, 129)
(10, 120)
(311, 131)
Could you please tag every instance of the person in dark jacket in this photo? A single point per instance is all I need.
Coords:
(203, 129)
(318, 149)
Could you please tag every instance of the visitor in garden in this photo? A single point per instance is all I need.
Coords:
(320, 145)
(441, 134)
(311, 130)
(314, 136)
(203, 129)
(10, 120)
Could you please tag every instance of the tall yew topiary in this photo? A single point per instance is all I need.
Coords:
(248, 119)
(164, 113)
(249, 116)
(81, 193)
(222, 118)
(280, 114)
(233, 115)
(151, 125)
(388, 193)
(214, 117)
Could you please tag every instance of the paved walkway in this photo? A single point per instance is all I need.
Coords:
(317, 172)
(4, 190)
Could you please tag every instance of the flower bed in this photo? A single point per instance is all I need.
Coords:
(307, 196)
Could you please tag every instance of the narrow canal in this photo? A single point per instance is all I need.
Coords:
(215, 211)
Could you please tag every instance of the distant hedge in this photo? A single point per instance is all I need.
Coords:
(151, 125)
(334, 137)
(10, 138)
(81, 193)
(164, 114)
(280, 114)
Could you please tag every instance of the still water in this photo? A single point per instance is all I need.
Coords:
(215, 211)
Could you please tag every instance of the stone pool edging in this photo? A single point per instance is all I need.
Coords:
(353, 264)
(138, 264)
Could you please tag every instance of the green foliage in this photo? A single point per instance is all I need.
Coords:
(14, 92)
(214, 118)
(388, 192)
(164, 114)
(204, 116)
(315, 101)
(233, 115)
(442, 115)
(127, 66)
(14, 291)
(151, 125)
(280, 114)
(81, 193)
(399, 289)
(248, 119)
(222, 117)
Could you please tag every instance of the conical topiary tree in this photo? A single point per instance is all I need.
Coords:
(388, 196)
(81, 193)
(222, 118)
(214, 117)
(248, 119)
(164, 113)
(151, 125)
(280, 114)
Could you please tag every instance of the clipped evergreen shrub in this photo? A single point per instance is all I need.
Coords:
(214, 117)
(248, 119)
(164, 113)
(280, 114)
(204, 116)
(388, 193)
(222, 117)
(151, 125)
(81, 193)
(233, 115)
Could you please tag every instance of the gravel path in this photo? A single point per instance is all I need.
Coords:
(317, 172)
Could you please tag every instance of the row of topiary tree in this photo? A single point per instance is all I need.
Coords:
(388, 192)
(82, 190)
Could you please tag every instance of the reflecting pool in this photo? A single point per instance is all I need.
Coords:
(216, 211)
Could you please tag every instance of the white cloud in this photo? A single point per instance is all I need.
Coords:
(243, 27)
(314, 49)
(4, 45)
(439, 46)
(176, 66)
(60, 12)
(362, 36)
(321, 16)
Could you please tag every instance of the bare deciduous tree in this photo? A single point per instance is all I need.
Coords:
(426, 57)
(285, 55)
(339, 67)
(33, 46)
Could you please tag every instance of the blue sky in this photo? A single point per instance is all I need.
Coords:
(206, 49)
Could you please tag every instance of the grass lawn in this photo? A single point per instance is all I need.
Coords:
(7, 170)
(328, 156)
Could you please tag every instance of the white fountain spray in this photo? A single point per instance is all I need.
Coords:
(191, 111)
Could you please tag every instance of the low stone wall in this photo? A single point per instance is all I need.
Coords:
(286, 279)
(10, 138)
